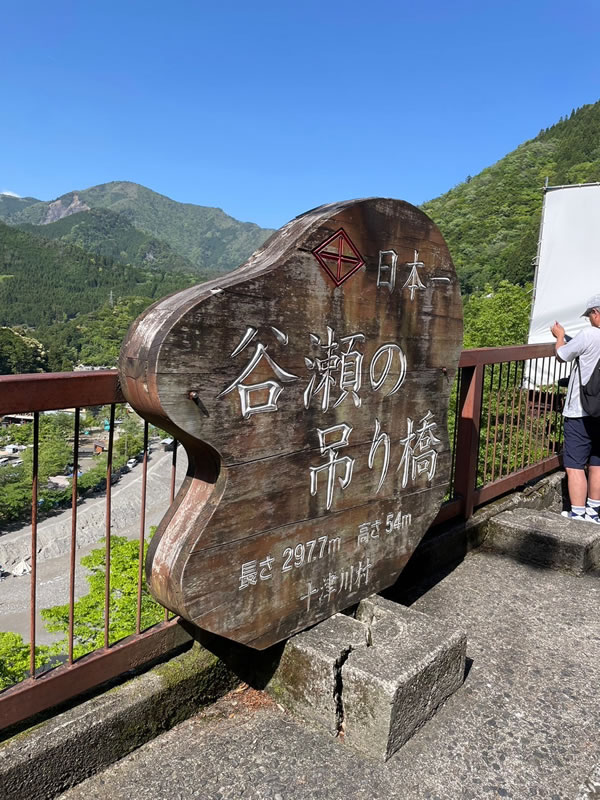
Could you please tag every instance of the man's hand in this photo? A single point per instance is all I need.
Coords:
(558, 332)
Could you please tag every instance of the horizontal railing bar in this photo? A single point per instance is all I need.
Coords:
(515, 479)
(49, 391)
(495, 355)
(63, 683)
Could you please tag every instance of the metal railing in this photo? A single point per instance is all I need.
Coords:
(43, 690)
(503, 435)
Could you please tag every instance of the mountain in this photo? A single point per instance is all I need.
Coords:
(43, 282)
(207, 237)
(491, 221)
(109, 234)
(11, 206)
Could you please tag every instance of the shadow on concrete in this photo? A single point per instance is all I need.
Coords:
(254, 667)
(407, 591)
(439, 553)
(468, 665)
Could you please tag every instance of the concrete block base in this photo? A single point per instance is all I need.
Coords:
(392, 688)
(374, 679)
(307, 681)
(546, 538)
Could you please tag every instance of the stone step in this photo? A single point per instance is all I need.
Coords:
(546, 538)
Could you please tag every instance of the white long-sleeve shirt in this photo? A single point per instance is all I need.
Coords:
(586, 346)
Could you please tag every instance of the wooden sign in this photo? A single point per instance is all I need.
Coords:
(310, 390)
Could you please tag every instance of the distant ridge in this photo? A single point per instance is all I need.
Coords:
(207, 238)
(490, 221)
(11, 206)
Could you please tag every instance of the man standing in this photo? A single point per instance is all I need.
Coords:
(581, 433)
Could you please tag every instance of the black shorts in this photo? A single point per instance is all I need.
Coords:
(581, 442)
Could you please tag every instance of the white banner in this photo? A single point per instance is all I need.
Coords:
(568, 269)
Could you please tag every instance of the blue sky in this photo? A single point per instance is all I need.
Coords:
(267, 109)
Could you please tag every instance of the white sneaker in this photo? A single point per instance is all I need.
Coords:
(592, 516)
(571, 515)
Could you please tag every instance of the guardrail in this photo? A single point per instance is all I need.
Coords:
(503, 435)
(21, 394)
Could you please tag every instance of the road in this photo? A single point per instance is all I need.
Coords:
(54, 542)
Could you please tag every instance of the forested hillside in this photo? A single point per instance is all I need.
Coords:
(21, 353)
(210, 239)
(78, 270)
(109, 234)
(11, 206)
(491, 221)
(93, 339)
(43, 282)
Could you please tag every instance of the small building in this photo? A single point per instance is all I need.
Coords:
(16, 419)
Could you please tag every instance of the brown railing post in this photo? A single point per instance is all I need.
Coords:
(467, 447)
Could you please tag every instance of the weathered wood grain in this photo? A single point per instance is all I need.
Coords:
(355, 374)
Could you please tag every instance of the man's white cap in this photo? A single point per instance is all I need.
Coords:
(593, 302)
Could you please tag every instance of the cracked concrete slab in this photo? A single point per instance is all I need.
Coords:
(395, 686)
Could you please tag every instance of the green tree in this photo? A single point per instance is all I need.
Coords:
(497, 317)
(63, 423)
(15, 500)
(15, 659)
(89, 610)
(53, 456)
(131, 437)
(20, 353)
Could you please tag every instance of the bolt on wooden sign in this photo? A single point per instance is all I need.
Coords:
(310, 389)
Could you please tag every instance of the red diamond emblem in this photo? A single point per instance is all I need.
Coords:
(339, 257)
